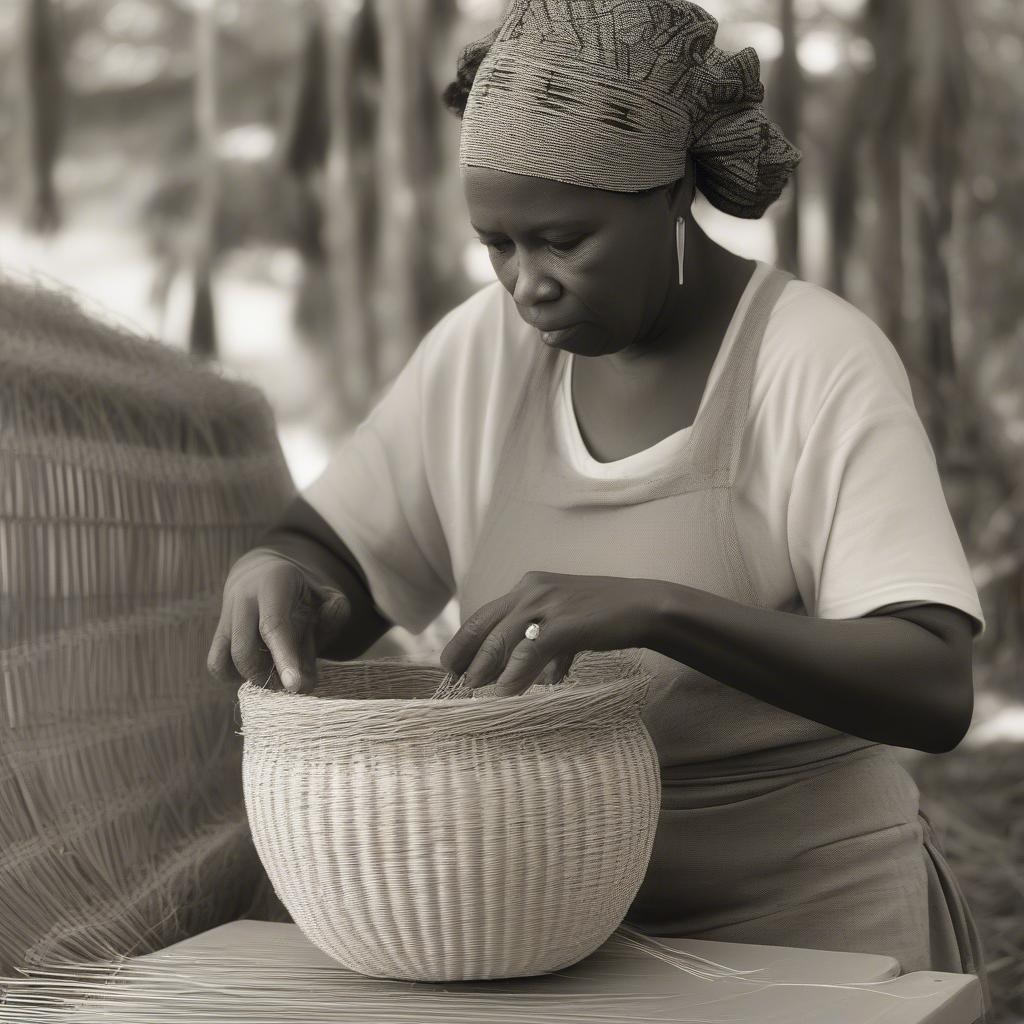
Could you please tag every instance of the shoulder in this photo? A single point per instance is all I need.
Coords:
(822, 353)
(812, 315)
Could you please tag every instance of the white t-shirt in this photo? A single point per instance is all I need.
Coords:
(839, 504)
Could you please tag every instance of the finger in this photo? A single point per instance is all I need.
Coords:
(547, 676)
(493, 654)
(307, 663)
(251, 658)
(563, 666)
(461, 650)
(333, 618)
(286, 618)
(218, 660)
(525, 663)
(555, 671)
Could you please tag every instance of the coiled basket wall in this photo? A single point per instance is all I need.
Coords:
(453, 839)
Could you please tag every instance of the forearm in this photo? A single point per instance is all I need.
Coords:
(303, 537)
(882, 678)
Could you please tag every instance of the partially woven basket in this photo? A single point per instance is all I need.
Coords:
(453, 839)
(131, 478)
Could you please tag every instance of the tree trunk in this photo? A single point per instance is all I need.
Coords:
(349, 273)
(403, 27)
(203, 332)
(940, 107)
(364, 113)
(41, 87)
(854, 126)
(788, 91)
(888, 26)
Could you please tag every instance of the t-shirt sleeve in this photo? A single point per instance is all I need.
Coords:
(868, 524)
(376, 496)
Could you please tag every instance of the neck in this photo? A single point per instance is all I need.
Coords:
(714, 279)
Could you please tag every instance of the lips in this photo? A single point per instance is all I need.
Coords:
(556, 335)
(535, 318)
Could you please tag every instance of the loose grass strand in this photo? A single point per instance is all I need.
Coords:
(269, 983)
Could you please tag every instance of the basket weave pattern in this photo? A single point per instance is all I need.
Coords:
(452, 839)
(130, 480)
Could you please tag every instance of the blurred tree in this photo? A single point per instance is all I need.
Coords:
(305, 145)
(787, 90)
(939, 109)
(379, 185)
(866, 160)
(898, 157)
(365, 112)
(304, 149)
(351, 327)
(406, 172)
(203, 333)
(842, 192)
(41, 84)
(887, 29)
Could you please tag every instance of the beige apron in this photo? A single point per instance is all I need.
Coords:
(774, 829)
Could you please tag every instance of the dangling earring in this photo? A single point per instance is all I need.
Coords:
(680, 244)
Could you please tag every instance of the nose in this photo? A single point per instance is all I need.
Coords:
(533, 286)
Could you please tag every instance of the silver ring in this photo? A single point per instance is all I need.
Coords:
(532, 631)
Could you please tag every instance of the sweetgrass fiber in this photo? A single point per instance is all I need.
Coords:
(130, 480)
(278, 978)
(436, 839)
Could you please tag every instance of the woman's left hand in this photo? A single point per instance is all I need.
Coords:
(575, 613)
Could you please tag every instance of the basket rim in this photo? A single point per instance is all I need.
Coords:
(271, 714)
(309, 700)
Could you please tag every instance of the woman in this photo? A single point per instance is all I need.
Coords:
(637, 439)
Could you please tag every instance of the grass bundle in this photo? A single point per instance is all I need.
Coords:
(130, 480)
(453, 685)
(448, 839)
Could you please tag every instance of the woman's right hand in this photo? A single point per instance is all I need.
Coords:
(275, 615)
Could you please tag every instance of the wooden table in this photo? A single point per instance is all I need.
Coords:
(618, 983)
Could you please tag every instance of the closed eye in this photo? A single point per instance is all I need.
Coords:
(559, 245)
(497, 247)
(565, 245)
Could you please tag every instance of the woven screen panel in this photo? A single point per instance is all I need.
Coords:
(131, 477)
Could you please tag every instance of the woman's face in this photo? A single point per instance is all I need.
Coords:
(589, 268)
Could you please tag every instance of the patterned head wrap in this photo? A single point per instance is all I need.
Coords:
(614, 94)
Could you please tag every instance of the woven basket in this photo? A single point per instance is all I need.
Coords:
(456, 839)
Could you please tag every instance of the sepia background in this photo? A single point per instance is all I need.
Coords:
(272, 185)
